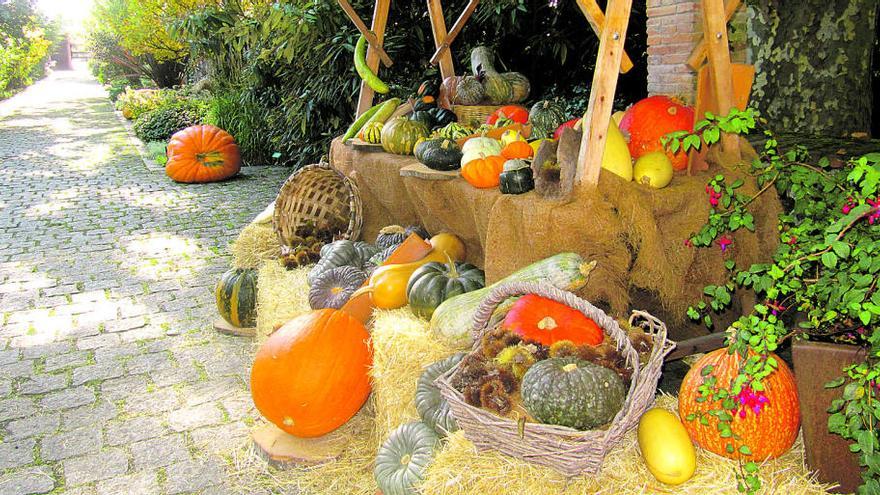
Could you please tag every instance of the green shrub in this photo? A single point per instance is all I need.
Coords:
(161, 123)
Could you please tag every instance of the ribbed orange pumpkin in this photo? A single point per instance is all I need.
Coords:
(768, 434)
(483, 172)
(202, 153)
(546, 321)
(517, 149)
(310, 376)
(652, 118)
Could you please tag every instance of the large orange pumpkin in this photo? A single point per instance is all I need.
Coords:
(484, 172)
(202, 153)
(652, 118)
(768, 434)
(310, 376)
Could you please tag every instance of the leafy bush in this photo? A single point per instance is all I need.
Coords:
(25, 42)
(161, 123)
(135, 102)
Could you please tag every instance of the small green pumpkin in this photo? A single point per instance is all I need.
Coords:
(439, 154)
(546, 116)
(442, 117)
(572, 392)
(334, 287)
(236, 294)
(372, 132)
(403, 459)
(433, 283)
(454, 131)
(516, 177)
(342, 253)
(468, 91)
(432, 407)
(399, 136)
(520, 86)
(423, 116)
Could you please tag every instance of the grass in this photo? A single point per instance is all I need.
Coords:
(156, 151)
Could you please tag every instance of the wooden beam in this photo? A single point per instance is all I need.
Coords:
(701, 51)
(438, 27)
(602, 94)
(380, 19)
(715, 34)
(453, 33)
(596, 18)
(704, 343)
(371, 38)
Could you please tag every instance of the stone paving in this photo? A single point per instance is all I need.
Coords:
(111, 379)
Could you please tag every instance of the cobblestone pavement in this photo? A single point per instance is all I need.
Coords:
(111, 380)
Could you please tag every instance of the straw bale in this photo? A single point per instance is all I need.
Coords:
(281, 295)
(256, 243)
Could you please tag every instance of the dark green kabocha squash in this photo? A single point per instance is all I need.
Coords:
(439, 154)
(434, 282)
(342, 253)
(423, 116)
(572, 392)
(516, 178)
(382, 255)
(403, 459)
(432, 407)
(442, 117)
(236, 294)
(423, 106)
(333, 288)
(429, 87)
(392, 235)
(546, 116)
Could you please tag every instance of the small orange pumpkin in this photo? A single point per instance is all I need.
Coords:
(547, 322)
(768, 433)
(310, 376)
(484, 172)
(202, 153)
(517, 149)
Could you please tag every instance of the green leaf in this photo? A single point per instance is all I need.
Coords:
(835, 383)
(745, 450)
(841, 249)
(829, 259)
(865, 317)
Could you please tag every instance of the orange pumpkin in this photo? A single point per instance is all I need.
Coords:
(484, 172)
(310, 376)
(768, 433)
(517, 149)
(202, 153)
(547, 322)
(649, 120)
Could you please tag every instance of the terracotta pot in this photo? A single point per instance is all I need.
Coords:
(815, 364)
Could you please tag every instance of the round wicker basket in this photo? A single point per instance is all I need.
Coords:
(474, 115)
(567, 450)
(321, 195)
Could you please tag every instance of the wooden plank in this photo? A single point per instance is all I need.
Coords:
(715, 34)
(380, 19)
(283, 450)
(701, 51)
(371, 38)
(704, 343)
(456, 28)
(421, 171)
(438, 27)
(602, 94)
(222, 326)
(596, 18)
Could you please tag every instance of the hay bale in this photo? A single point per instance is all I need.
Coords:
(402, 348)
(281, 295)
(256, 244)
(460, 469)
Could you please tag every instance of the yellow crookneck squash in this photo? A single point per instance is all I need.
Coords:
(387, 285)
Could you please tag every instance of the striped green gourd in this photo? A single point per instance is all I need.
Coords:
(453, 320)
(236, 294)
(400, 135)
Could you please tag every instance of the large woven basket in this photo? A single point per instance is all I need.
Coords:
(570, 451)
(474, 115)
(319, 194)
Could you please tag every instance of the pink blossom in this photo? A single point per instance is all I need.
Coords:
(792, 240)
(724, 242)
(775, 307)
(875, 215)
(749, 399)
(688, 243)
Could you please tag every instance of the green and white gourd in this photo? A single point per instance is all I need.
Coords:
(546, 116)
(403, 459)
(469, 91)
(433, 408)
(236, 295)
(399, 136)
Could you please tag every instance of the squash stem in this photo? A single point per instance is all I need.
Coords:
(587, 268)
(367, 289)
(453, 273)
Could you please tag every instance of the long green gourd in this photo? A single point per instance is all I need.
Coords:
(453, 320)
(360, 65)
(385, 111)
(359, 122)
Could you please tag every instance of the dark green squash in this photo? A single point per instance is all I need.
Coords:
(432, 407)
(546, 116)
(572, 392)
(423, 106)
(333, 288)
(236, 294)
(442, 117)
(516, 178)
(423, 116)
(403, 459)
(429, 87)
(342, 253)
(439, 154)
(434, 282)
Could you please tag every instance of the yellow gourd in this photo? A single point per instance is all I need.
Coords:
(616, 158)
(666, 447)
(387, 285)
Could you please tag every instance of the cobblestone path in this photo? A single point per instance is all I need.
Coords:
(111, 380)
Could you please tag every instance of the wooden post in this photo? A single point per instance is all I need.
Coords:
(596, 18)
(371, 38)
(380, 19)
(701, 51)
(715, 35)
(453, 33)
(602, 95)
(438, 27)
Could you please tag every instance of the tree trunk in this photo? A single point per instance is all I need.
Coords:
(813, 63)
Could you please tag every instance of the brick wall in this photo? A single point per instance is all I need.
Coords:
(674, 28)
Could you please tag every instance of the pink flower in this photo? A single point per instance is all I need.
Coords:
(688, 243)
(749, 399)
(775, 307)
(792, 240)
(875, 215)
(724, 242)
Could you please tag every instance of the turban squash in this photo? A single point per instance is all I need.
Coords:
(202, 153)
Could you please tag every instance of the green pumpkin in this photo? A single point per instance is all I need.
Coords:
(433, 283)
(236, 294)
(516, 178)
(455, 131)
(372, 132)
(334, 287)
(403, 459)
(442, 116)
(546, 116)
(342, 253)
(439, 154)
(423, 116)
(432, 407)
(520, 86)
(468, 91)
(399, 136)
(572, 392)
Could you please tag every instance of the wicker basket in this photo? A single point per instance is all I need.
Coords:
(570, 451)
(320, 194)
(474, 115)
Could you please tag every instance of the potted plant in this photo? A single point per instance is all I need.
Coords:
(821, 289)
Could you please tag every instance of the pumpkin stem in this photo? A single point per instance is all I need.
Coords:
(547, 323)
(363, 290)
(335, 290)
(405, 460)
(568, 368)
(586, 268)
(453, 273)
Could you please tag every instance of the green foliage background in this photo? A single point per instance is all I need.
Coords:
(26, 40)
